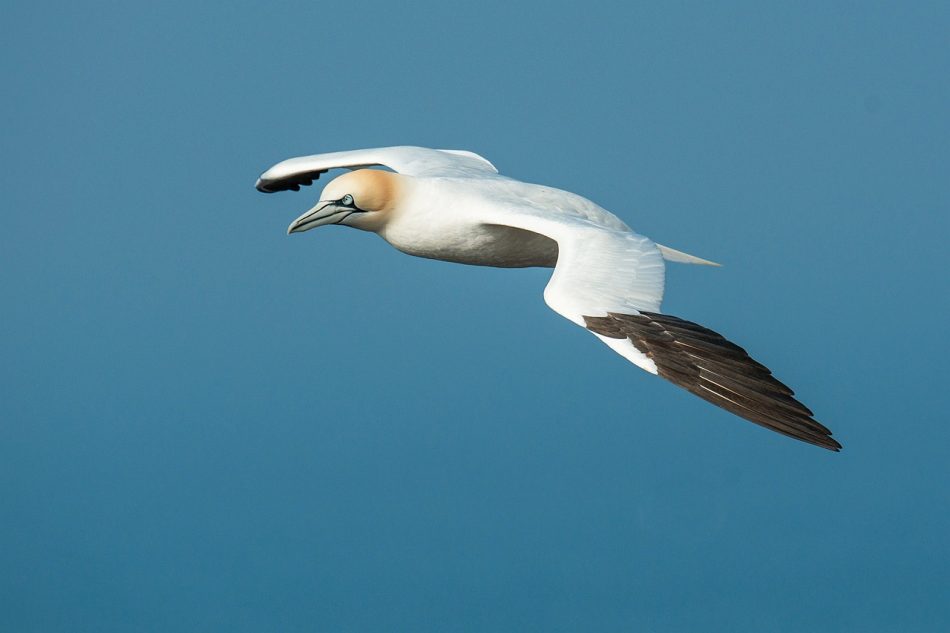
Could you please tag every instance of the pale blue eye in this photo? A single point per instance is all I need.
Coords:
(347, 200)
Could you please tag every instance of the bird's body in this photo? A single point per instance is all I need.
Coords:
(452, 205)
(446, 222)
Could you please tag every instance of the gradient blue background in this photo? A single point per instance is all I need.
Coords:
(208, 425)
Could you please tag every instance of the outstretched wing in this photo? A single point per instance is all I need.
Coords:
(610, 281)
(412, 161)
(601, 269)
(719, 371)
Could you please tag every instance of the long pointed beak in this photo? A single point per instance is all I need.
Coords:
(325, 212)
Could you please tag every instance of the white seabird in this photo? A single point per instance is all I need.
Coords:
(454, 206)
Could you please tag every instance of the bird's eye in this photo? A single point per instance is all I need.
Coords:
(347, 200)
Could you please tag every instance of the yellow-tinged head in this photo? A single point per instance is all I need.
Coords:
(363, 199)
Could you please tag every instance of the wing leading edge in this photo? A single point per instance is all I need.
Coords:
(293, 173)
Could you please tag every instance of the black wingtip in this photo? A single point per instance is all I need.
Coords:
(832, 444)
(288, 183)
(717, 370)
(263, 187)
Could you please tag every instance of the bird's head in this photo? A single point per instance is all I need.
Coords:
(363, 199)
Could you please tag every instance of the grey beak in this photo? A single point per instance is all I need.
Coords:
(325, 212)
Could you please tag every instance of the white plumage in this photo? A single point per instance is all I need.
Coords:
(453, 205)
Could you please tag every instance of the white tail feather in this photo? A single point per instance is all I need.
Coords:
(673, 255)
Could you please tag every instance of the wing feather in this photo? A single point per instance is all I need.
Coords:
(600, 269)
(610, 281)
(716, 370)
(412, 161)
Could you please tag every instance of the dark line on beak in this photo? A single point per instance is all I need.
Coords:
(348, 214)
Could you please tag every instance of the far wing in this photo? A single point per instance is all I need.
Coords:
(412, 161)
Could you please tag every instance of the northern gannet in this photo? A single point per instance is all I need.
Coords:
(453, 205)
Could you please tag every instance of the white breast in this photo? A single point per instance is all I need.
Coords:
(445, 219)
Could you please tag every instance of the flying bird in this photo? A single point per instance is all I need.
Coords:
(453, 205)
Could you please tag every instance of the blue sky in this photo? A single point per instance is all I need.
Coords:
(208, 425)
